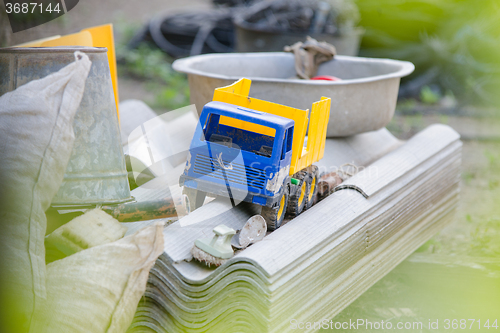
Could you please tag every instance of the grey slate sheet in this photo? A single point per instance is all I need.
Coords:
(319, 262)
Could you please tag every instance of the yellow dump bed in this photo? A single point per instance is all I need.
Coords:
(302, 156)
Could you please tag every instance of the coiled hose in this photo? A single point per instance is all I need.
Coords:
(186, 34)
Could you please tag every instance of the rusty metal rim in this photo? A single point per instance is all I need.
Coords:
(96, 175)
(93, 203)
(64, 49)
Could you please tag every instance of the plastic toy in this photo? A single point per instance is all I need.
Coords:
(219, 249)
(256, 151)
(216, 250)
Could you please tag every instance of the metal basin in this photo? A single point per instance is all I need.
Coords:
(363, 101)
(252, 39)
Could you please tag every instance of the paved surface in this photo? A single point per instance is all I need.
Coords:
(470, 128)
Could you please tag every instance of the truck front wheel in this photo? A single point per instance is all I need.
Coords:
(195, 198)
(274, 216)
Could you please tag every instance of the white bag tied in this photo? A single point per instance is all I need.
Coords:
(36, 139)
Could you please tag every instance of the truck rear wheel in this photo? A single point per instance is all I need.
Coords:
(298, 199)
(195, 198)
(274, 216)
(313, 186)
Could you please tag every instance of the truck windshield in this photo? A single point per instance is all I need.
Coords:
(240, 134)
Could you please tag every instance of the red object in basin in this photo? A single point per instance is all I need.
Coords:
(326, 78)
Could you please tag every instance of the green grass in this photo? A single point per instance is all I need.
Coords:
(428, 96)
(493, 158)
(459, 38)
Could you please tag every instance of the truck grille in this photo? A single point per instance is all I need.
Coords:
(207, 166)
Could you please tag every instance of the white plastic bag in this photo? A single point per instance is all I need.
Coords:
(36, 139)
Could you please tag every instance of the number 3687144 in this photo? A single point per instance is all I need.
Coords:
(31, 7)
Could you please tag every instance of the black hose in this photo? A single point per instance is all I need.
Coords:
(160, 40)
(186, 34)
(201, 38)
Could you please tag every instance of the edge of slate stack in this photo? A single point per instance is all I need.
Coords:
(318, 263)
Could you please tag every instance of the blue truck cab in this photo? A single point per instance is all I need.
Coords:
(239, 153)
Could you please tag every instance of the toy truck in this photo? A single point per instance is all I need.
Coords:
(256, 151)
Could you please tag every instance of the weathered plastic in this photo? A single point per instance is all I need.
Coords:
(365, 99)
(219, 245)
(302, 157)
(96, 172)
(247, 149)
(238, 168)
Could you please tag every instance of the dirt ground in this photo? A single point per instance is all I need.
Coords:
(455, 276)
(476, 230)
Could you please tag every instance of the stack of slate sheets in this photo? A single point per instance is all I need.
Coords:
(319, 262)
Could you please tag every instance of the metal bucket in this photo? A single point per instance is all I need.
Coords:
(251, 39)
(96, 172)
(259, 36)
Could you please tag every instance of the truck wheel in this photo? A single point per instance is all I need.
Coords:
(195, 198)
(274, 216)
(297, 200)
(313, 186)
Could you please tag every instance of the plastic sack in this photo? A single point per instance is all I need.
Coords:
(93, 228)
(98, 289)
(36, 139)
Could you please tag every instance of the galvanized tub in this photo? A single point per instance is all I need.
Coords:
(365, 99)
(253, 40)
(257, 28)
(96, 172)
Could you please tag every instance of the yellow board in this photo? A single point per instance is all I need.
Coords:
(302, 157)
(80, 39)
(38, 42)
(100, 36)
